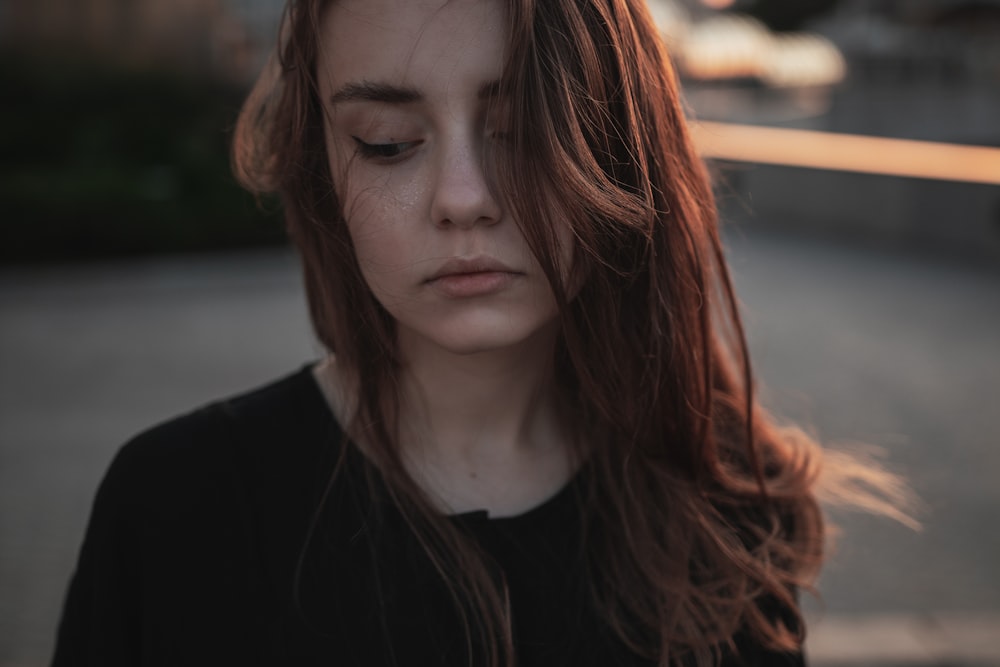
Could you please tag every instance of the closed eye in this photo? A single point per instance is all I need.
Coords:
(383, 151)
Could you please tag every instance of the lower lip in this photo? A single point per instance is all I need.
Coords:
(464, 285)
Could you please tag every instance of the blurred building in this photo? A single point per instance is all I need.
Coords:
(926, 72)
(950, 40)
(890, 40)
(712, 45)
(222, 38)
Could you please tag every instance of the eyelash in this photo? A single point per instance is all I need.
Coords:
(391, 151)
(388, 151)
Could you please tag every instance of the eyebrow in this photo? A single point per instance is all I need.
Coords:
(370, 91)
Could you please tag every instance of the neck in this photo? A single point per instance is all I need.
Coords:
(483, 430)
(469, 404)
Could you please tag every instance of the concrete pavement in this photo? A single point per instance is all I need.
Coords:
(886, 350)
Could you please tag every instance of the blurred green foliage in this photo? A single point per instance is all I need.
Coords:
(100, 161)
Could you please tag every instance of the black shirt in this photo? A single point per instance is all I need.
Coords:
(205, 547)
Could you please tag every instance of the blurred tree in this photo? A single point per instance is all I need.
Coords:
(99, 160)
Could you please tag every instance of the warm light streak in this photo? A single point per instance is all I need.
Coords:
(848, 152)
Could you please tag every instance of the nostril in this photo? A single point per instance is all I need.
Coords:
(464, 198)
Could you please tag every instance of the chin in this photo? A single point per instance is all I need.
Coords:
(483, 335)
(474, 345)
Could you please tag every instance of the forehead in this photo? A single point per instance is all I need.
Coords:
(431, 45)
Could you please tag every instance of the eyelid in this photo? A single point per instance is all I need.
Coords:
(385, 152)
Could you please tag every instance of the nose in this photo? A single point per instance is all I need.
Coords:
(463, 192)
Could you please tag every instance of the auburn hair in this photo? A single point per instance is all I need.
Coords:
(701, 514)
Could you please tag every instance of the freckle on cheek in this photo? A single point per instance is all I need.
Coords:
(408, 194)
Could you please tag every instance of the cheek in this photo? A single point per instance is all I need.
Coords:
(387, 235)
(377, 193)
(382, 265)
(376, 241)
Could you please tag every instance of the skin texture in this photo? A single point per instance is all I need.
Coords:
(413, 129)
(434, 201)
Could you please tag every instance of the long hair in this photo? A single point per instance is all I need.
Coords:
(700, 513)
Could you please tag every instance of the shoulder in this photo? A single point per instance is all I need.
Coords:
(275, 431)
(197, 508)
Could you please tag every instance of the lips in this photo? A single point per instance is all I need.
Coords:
(465, 266)
(475, 276)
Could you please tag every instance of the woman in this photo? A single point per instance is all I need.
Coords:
(534, 441)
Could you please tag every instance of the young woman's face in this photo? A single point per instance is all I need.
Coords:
(415, 127)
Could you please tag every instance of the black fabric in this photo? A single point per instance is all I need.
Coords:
(197, 554)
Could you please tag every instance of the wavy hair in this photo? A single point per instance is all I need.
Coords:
(701, 514)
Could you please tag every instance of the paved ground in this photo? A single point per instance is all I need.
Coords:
(891, 351)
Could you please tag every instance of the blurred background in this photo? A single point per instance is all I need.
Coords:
(856, 149)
